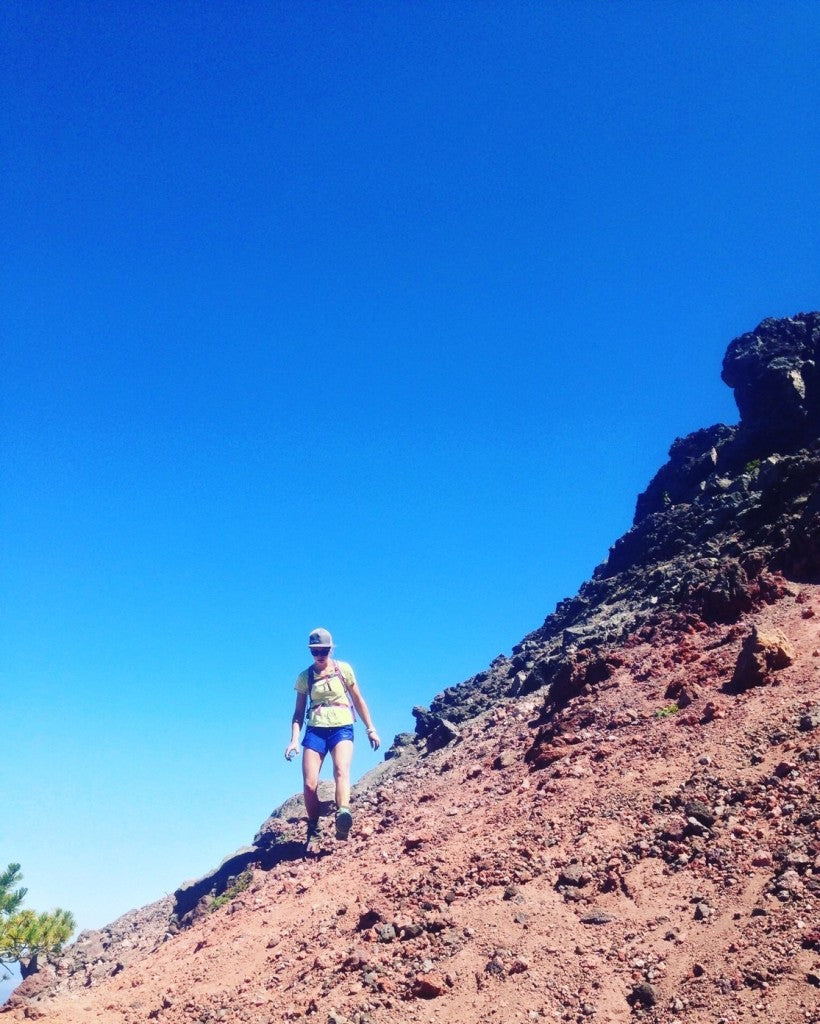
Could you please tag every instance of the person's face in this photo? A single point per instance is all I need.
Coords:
(320, 655)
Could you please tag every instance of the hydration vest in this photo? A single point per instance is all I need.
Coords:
(311, 676)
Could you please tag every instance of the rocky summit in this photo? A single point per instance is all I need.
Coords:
(618, 822)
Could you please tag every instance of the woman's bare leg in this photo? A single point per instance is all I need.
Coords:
(342, 755)
(311, 764)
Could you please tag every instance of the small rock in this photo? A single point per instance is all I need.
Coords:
(429, 985)
(414, 841)
(369, 917)
(700, 812)
(800, 862)
(518, 966)
(597, 917)
(506, 759)
(810, 721)
(643, 994)
(712, 713)
(789, 881)
(574, 875)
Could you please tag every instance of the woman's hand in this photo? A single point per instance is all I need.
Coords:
(291, 751)
(373, 736)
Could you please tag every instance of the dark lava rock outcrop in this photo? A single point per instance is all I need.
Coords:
(724, 524)
(775, 375)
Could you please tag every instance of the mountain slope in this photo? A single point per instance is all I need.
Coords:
(619, 821)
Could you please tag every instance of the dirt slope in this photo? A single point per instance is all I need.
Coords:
(621, 861)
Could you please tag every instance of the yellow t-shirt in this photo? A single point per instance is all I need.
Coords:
(329, 701)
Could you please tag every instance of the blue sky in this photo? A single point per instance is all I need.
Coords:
(370, 316)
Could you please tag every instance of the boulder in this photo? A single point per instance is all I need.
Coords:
(435, 730)
(761, 655)
(774, 372)
(403, 743)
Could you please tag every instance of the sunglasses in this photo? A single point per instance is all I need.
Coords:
(320, 652)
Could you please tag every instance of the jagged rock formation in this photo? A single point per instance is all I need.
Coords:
(775, 374)
(736, 509)
(624, 763)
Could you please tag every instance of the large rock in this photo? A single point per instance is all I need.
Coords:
(436, 731)
(774, 371)
(762, 654)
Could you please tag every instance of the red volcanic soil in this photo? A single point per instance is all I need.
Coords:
(662, 865)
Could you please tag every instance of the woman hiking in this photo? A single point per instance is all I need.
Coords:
(329, 690)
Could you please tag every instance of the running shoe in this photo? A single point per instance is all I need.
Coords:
(344, 822)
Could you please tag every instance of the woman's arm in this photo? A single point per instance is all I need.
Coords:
(362, 709)
(296, 725)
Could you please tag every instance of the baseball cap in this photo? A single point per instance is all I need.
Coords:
(320, 638)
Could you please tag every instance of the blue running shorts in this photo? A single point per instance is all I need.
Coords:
(322, 739)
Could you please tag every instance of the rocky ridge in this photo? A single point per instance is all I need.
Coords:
(734, 511)
(619, 821)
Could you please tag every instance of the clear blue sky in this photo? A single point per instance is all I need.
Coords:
(375, 316)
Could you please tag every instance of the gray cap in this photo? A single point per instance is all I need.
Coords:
(320, 638)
